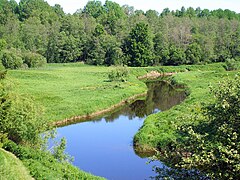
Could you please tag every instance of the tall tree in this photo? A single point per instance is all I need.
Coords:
(111, 17)
(93, 8)
(139, 46)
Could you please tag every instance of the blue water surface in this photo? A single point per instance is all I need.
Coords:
(104, 147)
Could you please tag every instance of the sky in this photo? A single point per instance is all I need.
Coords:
(70, 6)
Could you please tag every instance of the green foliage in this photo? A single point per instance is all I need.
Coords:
(34, 35)
(20, 118)
(231, 65)
(93, 8)
(11, 59)
(96, 54)
(58, 152)
(68, 48)
(213, 145)
(176, 56)
(36, 8)
(139, 45)
(193, 54)
(33, 59)
(185, 36)
(159, 130)
(104, 50)
(121, 73)
(15, 59)
(3, 139)
(3, 44)
(113, 14)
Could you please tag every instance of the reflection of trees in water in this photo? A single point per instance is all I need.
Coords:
(160, 96)
(165, 96)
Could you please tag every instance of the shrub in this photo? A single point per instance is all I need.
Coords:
(212, 146)
(33, 59)
(20, 117)
(3, 139)
(121, 73)
(11, 59)
(231, 65)
(3, 44)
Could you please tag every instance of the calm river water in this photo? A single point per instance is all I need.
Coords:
(104, 146)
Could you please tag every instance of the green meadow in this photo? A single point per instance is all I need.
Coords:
(67, 90)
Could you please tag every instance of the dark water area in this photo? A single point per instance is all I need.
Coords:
(104, 146)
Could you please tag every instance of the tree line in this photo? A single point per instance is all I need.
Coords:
(33, 33)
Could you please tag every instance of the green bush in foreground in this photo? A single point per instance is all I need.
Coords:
(20, 117)
(213, 145)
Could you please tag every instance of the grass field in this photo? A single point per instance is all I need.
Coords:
(11, 167)
(67, 90)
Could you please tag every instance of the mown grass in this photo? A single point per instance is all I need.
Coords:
(159, 129)
(11, 168)
(67, 90)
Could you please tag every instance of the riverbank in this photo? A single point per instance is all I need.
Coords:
(160, 129)
(70, 90)
(87, 117)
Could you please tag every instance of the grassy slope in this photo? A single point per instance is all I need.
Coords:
(67, 90)
(158, 129)
(11, 167)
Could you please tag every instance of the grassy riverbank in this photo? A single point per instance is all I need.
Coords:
(159, 129)
(67, 90)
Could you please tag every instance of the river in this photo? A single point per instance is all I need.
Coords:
(104, 146)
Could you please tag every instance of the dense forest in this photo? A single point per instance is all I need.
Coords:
(33, 33)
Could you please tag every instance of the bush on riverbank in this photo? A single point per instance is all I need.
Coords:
(212, 147)
(160, 130)
(21, 119)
